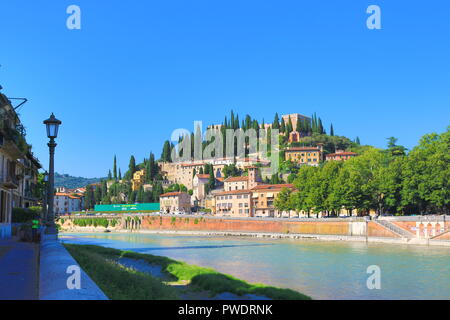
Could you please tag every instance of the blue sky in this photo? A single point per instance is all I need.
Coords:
(139, 69)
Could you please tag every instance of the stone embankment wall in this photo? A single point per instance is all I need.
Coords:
(358, 227)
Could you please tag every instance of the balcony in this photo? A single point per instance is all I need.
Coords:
(12, 141)
(9, 181)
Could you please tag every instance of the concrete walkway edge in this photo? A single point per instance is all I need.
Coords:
(53, 276)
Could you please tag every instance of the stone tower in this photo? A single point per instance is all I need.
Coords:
(253, 177)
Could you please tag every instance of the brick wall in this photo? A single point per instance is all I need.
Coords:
(204, 224)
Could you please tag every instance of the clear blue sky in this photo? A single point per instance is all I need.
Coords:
(139, 69)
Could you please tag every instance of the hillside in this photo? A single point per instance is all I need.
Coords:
(65, 180)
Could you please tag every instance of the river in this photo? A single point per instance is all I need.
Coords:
(320, 269)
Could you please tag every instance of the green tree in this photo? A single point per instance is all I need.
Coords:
(394, 149)
(426, 171)
(166, 153)
(276, 122)
(115, 168)
(89, 199)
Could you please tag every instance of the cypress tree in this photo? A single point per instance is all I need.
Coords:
(320, 129)
(109, 175)
(131, 167)
(232, 120)
(115, 168)
(140, 195)
(331, 130)
(289, 126)
(283, 126)
(276, 122)
(120, 174)
(166, 153)
(97, 195)
(299, 125)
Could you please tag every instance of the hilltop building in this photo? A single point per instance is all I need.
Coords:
(295, 118)
(138, 180)
(304, 155)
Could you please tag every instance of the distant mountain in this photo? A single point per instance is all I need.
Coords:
(65, 180)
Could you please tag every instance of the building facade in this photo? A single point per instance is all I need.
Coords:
(138, 180)
(66, 203)
(18, 167)
(175, 202)
(233, 203)
(311, 156)
(340, 155)
(263, 198)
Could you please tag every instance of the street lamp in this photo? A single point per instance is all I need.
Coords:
(52, 125)
(45, 196)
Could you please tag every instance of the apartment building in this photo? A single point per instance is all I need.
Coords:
(66, 203)
(233, 203)
(18, 167)
(304, 155)
(173, 202)
(263, 198)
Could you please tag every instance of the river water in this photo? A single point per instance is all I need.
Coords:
(320, 269)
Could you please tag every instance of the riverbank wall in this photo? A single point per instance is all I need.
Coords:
(417, 230)
(56, 269)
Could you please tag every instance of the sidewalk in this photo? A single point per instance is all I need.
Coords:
(18, 270)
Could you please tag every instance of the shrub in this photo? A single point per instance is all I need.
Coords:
(21, 215)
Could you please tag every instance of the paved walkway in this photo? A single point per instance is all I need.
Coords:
(18, 270)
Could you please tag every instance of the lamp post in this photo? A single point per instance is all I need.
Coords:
(52, 125)
(45, 196)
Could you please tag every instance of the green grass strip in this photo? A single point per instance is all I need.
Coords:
(118, 282)
(199, 277)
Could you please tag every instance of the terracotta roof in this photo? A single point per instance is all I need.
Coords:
(221, 179)
(203, 176)
(302, 149)
(193, 164)
(236, 179)
(172, 194)
(273, 186)
(342, 154)
(70, 195)
(233, 192)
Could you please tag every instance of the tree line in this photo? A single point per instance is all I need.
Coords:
(386, 181)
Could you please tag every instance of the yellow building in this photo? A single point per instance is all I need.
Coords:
(263, 199)
(304, 155)
(138, 180)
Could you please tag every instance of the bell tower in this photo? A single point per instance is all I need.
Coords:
(253, 176)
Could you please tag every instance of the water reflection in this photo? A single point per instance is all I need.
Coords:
(324, 270)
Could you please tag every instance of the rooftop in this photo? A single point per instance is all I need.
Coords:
(245, 191)
(236, 179)
(302, 149)
(172, 194)
(273, 186)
